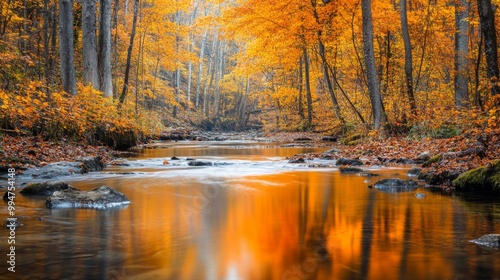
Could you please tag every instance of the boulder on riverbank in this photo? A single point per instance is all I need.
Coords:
(102, 197)
(488, 240)
(395, 185)
(57, 169)
(485, 178)
(45, 188)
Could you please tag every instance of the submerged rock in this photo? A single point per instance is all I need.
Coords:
(485, 178)
(57, 169)
(350, 170)
(45, 188)
(199, 163)
(345, 161)
(488, 240)
(102, 197)
(395, 185)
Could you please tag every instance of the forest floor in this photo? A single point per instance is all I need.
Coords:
(453, 155)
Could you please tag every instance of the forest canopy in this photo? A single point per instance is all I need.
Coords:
(113, 69)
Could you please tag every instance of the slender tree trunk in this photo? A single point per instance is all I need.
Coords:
(461, 53)
(129, 53)
(104, 55)
(477, 95)
(487, 19)
(308, 88)
(200, 67)
(243, 104)
(424, 44)
(300, 89)
(190, 70)
(66, 48)
(408, 58)
(218, 77)
(371, 70)
(328, 82)
(46, 47)
(177, 91)
(89, 41)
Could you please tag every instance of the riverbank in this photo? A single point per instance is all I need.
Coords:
(23, 152)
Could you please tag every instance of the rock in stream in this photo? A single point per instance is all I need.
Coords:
(395, 185)
(102, 197)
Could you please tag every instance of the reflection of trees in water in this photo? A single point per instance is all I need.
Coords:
(367, 235)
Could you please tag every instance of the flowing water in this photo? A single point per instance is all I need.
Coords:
(252, 216)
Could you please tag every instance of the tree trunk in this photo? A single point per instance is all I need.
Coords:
(408, 58)
(104, 56)
(308, 88)
(66, 48)
(129, 53)
(371, 70)
(200, 68)
(190, 70)
(461, 53)
(477, 95)
(300, 89)
(328, 82)
(487, 19)
(89, 41)
(218, 77)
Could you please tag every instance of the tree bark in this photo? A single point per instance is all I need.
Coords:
(328, 82)
(104, 55)
(66, 48)
(300, 89)
(308, 88)
(408, 58)
(129, 53)
(371, 70)
(461, 53)
(487, 20)
(89, 42)
(200, 68)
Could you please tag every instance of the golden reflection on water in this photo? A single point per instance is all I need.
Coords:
(288, 225)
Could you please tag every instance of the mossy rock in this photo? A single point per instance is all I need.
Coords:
(485, 178)
(432, 160)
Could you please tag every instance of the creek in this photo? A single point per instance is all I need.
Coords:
(252, 215)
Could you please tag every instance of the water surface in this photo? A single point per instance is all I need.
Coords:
(252, 216)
